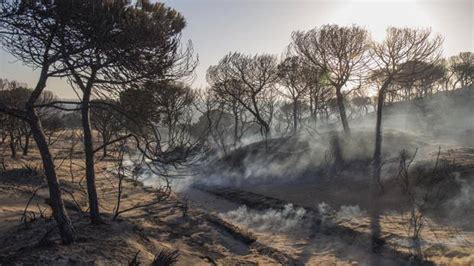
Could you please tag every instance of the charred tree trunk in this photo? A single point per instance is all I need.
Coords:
(377, 244)
(105, 140)
(314, 110)
(295, 116)
(12, 145)
(264, 126)
(89, 156)
(266, 129)
(26, 147)
(235, 113)
(378, 135)
(342, 111)
(65, 227)
(236, 130)
(170, 133)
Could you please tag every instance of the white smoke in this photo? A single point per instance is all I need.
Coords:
(330, 216)
(466, 195)
(272, 220)
(349, 212)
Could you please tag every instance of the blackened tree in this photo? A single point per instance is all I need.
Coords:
(405, 56)
(341, 52)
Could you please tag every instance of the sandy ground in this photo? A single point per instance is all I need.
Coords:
(145, 231)
(318, 249)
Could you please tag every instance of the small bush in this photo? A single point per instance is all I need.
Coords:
(166, 258)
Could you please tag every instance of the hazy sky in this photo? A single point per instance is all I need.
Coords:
(217, 27)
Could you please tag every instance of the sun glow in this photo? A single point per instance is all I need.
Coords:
(378, 15)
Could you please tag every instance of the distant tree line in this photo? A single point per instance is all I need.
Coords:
(16, 131)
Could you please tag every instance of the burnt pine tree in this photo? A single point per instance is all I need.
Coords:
(120, 44)
(173, 100)
(31, 32)
(107, 122)
(249, 80)
(405, 56)
(341, 52)
(215, 98)
(14, 127)
(462, 68)
(18, 130)
(298, 80)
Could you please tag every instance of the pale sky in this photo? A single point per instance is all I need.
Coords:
(217, 27)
